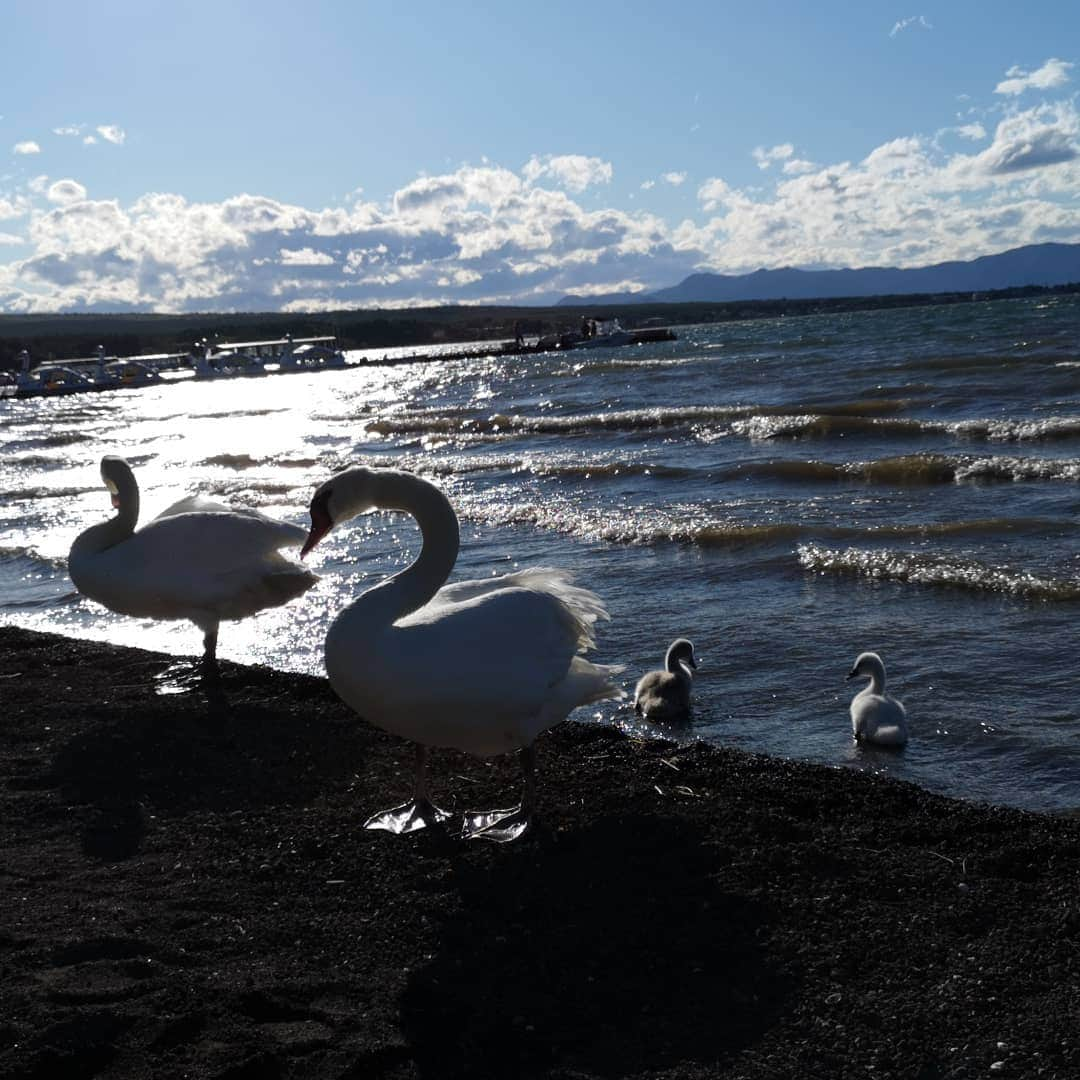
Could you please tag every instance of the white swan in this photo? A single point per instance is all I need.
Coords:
(198, 560)
(480, 666)
(665, 695)
(875, 717)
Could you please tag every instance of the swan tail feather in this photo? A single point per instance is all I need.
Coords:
(582, 607)
(596, 680)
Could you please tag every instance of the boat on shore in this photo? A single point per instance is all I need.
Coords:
(311, 354)
(85, 375)
(133, 373)
(207, 360)
(279, 356)
(604, 334)
(226, 362)
(273, 356)
(50, 379)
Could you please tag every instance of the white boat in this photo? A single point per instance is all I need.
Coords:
(52, 380)
(607, 333)
(273, 356)
(310, 354)
(132, 373)
(49, 380)
(226, 362)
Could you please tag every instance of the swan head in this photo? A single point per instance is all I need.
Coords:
(343, 496)
(117, 476)
(680, 651)
(869, 664)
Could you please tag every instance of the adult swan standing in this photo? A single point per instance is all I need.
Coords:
(480, 666)
(197, 560)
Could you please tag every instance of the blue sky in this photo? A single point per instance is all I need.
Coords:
(275, 156)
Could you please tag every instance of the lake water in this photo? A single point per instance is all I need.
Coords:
(786, 493)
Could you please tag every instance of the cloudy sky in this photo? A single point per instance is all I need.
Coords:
(273, 155)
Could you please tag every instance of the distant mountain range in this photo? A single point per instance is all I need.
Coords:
(1035, 264)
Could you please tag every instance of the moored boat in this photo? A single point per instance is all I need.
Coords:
(49, 380)
(226, 362)
(133, 373)
(310, 354)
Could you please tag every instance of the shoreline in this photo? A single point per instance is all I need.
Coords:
(186, 891)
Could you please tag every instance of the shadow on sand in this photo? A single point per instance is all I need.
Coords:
(217, 747)
(614, 949)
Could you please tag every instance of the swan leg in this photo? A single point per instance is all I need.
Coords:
(502, 826)
(209, 658)
(419, 813)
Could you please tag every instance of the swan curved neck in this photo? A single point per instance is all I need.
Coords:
(414, 586)
(676, 664)
(101, 537)
(877, 679)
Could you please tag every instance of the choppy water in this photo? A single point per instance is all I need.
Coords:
(787, 493)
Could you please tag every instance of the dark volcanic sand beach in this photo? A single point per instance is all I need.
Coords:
(186, 892)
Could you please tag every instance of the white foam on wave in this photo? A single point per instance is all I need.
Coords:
(939, 570)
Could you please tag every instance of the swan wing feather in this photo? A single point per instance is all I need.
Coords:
(226, 565)
(494, 667)
(194, 504)
(268, 527)
(878, 717)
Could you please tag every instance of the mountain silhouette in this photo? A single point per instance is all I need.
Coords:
(1035, 264)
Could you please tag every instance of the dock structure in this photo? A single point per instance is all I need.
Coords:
(277, 356)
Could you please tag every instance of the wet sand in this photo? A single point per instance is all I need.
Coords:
(185, 891)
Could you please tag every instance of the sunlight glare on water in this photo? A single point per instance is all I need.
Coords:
(787, 493)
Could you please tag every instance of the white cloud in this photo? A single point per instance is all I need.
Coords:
(674, 178)
(897, 156)
(111, 133)
(305, 257)
(1052, 73)
(66, 191)
(475, 235)
(26, 147)
(10, 239)
(1047, 135)
(919, 21)
(89, 140)
(973, 131)
(648, 185)
(69, 130)
(431, 196)
(765, 158)
(716, 193)
(488, 234)
(575, 172)
(13, 208)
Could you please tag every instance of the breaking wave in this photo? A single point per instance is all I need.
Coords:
(32, 557)
(615, 420)
(827, 425)
(936, 570)
(234, 414)
(25, 494)
(256, 493)
(692, 526)
(918, 469)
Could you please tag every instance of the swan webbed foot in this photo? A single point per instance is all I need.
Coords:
(408, 818)
(502, 826)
